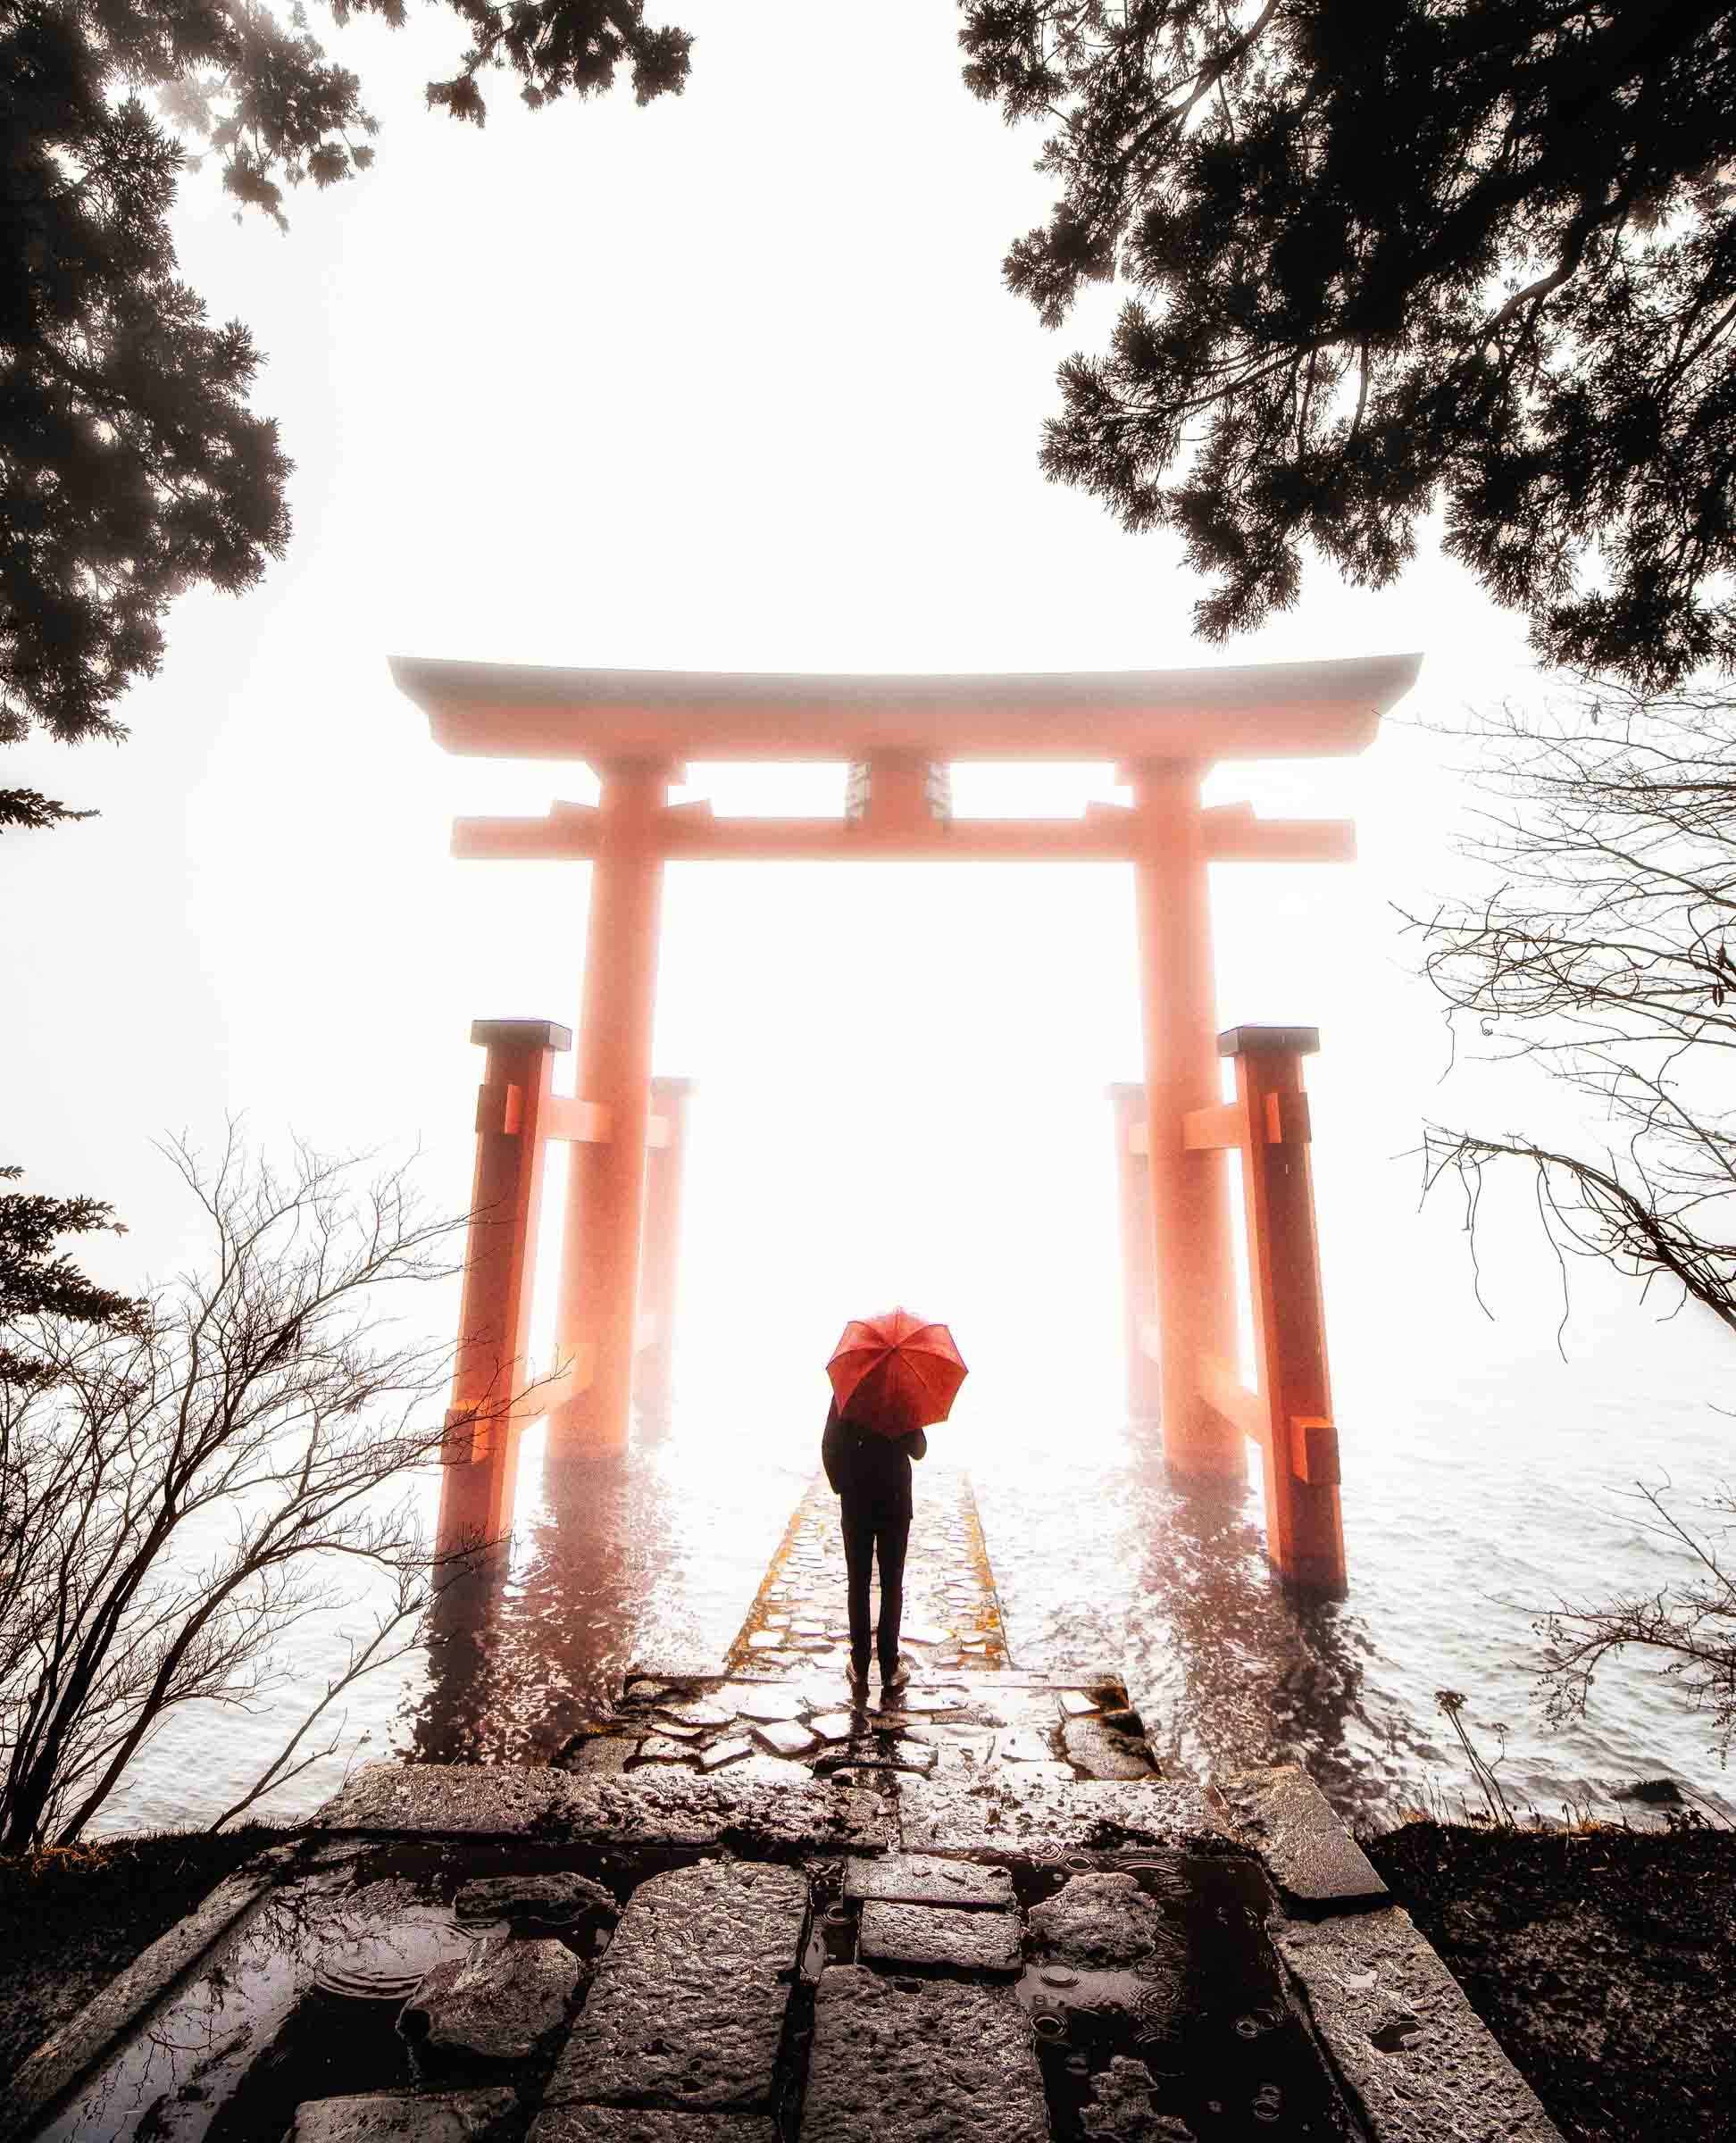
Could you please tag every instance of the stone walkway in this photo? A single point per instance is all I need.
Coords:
(951, 1615)
(977, 1732)
(743, 1908)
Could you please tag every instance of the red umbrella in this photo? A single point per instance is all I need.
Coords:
(894, 1372)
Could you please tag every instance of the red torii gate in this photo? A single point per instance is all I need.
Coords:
(1164, 729)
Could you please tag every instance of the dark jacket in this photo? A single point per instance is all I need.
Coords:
(870, 1471)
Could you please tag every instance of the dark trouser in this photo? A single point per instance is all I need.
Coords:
(868, 1533)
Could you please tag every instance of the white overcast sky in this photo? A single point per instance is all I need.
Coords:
(728, 383)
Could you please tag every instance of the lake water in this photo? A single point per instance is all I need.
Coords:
(1473, 1496)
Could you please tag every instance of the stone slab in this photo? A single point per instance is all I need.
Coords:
(721, 1753)
(664, 1748)
(1316, 1864)
(770, 1700)
(656, 1804)
(83, 2039)
(1121, 2110)
(688, 2005)
(498, 2005)
(1416, 2058)
(931, 2062)
(1102, 1919)
(606, 1753)
(1057, 1774)
(880, 1752)
(696, 1712)
(787, 1737)
(1021, 1745)
(405, 2117)
(926, 1878)
(1012, 1811)
(939, 1936)
(635, 2124)
(1091, 1746)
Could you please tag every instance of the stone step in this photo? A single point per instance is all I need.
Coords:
(687, 2009)
(923, 2060)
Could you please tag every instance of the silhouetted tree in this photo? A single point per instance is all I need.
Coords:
(1686, 1629)
(176, 1498)
(1390, 254)
(1604, 953)
(39, 1280)
(131, 467)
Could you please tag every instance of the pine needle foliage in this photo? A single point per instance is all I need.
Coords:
(1387, 257)
(132, 466)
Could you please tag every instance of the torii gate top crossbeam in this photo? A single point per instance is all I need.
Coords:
(1256, 711)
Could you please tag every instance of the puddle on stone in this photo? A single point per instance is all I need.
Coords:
(1200, 2031)
(301, 2000)
(381, 1950)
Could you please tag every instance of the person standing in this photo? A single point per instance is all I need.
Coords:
(870, 1474)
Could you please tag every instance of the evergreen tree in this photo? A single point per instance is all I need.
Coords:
(37, 1280)
(1388, 255)
(131, 466)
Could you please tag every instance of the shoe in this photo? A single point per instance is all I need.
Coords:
(858, 1681)
(899, 1679)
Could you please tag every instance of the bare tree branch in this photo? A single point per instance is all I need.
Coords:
(176, 1498)
(1606, 954)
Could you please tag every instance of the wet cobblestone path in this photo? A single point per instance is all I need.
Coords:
(952, 1618)
(752, 1906)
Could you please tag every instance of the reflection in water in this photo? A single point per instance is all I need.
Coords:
(1250, 1670)
(1468, 1501)
(522, 1655)
(1231, 1669)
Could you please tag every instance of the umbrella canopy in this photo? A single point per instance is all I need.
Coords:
(894, 1372)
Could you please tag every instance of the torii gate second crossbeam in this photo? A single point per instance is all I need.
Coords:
(1164, 730)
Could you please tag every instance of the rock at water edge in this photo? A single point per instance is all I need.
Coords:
(500, 2005)
(544, 1900)
(405, 2117)
(1102, 1919)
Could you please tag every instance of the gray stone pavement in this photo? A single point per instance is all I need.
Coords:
(743, 1908)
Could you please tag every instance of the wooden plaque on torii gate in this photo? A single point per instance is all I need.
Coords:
(1164, 730)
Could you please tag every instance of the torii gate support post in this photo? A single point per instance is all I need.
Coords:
(480, 1450)
(1290, 1414)
(1139, 1277)
(665, 1162)
(1190, 1208)
(598, 1314)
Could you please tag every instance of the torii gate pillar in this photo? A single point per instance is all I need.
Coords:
(598, 1316)
(666, 1163)
(1189, 1211)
